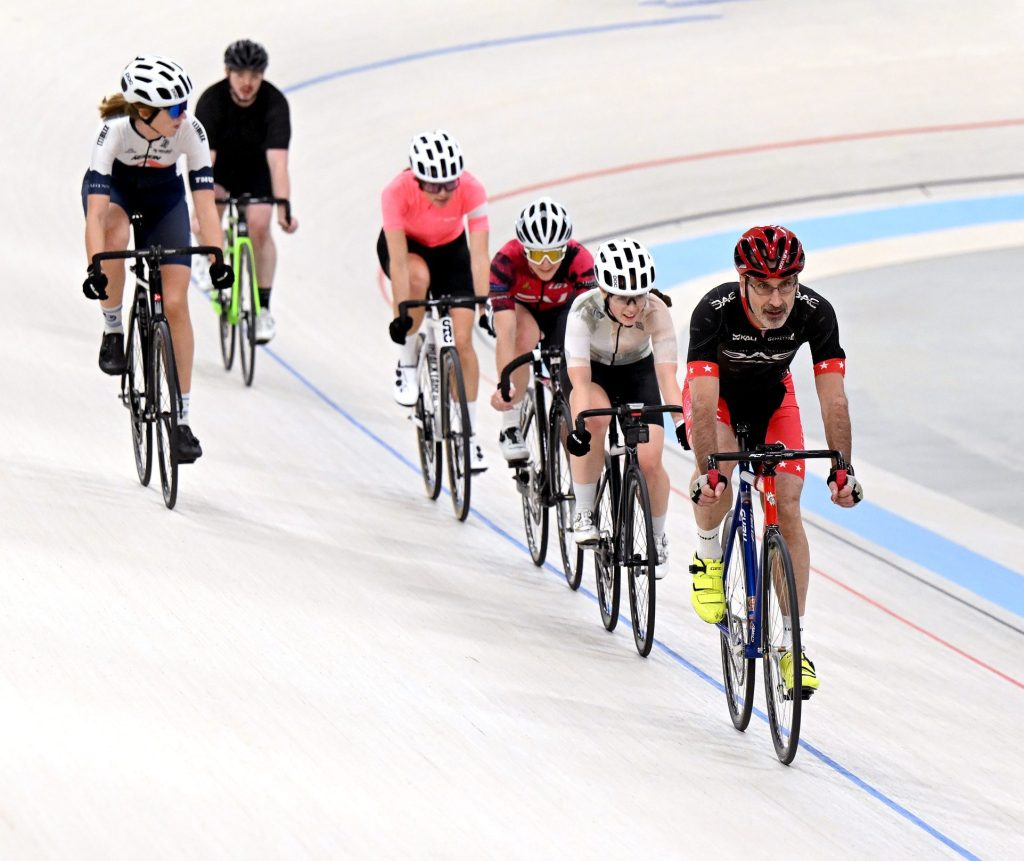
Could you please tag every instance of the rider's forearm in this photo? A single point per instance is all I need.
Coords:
(505, 330)
(668, 384)
(480, 262)
(838, 431)
(280, 183)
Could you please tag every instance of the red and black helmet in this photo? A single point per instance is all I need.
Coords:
(769, 252)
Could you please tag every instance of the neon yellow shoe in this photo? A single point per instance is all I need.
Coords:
(808, 676)
(707, 595)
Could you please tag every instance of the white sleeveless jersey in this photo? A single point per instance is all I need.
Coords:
(592, 335)
(118, 143)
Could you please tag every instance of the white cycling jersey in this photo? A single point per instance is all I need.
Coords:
(592, 335)
(118, 146)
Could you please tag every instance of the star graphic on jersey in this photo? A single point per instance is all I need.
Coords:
(707, 369)
(799, 468)
(823, 365)
(841, 365)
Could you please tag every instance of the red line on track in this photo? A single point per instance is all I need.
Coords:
(760, 148)
(918, 628)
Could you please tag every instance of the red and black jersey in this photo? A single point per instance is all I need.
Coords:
(752, 363)
(513, 281)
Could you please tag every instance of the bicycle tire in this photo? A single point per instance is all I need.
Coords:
(606, 563)
(562, 495)
(246, 313)
(133, 387)
(737, 670)
(779, 599)
(639, 557)
(228, 330)
(425, 416)
(457, 430)
(532, 424)
(165, 402)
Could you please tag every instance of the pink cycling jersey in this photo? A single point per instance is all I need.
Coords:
(406, 207)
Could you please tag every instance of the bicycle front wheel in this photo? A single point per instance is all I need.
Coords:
(133, 387)
(563, 496)
(165, 402)
(426, 416)
(535, 512)
(228, 330)
(639, 558)
(456, 430)
(737, 669)
(606, 563)
(779, 604)
(246, 313)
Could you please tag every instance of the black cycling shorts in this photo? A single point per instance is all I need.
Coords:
(163, 209)
(635, 383)
(449, 267)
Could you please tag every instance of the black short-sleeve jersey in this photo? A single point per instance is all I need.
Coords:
(241, 136)
(753, 362)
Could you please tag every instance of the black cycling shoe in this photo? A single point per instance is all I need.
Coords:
(112, 360)
(186, 446)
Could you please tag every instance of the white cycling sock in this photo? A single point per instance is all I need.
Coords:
(510, 419)
(183, 414)
(658, 523)
(708, 545)
(112, 320)
(407, 351)
(585, 494)
(787, 633)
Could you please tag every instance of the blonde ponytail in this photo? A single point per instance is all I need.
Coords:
(116, 106)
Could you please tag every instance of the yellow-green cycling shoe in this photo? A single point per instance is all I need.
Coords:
(808, 676)
(707, 595)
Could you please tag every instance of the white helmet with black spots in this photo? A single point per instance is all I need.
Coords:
(435, 156)
(155, 81)
(544, 224)
(624, 267)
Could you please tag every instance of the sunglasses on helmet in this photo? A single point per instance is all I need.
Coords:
(539, 255)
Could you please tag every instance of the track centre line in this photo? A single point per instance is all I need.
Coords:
(671, 653)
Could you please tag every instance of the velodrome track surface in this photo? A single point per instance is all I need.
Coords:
(307, 658)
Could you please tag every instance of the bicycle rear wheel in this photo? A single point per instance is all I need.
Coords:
(133, 387)
(639, 558)
(563, 497)
(246, 313)
(426, 418)
(456, 430)
(165, 401)
(535, 512)
(779, 601)
(737, 669)
(606, 563)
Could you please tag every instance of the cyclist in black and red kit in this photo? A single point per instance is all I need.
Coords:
(535, 276)
(743, 336)
(249, 126)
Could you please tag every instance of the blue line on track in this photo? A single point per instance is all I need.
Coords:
(502, 42)
(670, 652)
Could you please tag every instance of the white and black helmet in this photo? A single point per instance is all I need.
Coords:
(623, 266)
(155, 81)
(435, 156)
(543, 224)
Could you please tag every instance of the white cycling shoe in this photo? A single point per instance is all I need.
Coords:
(661, 547)
(513, 449)
(266, 328)
(584, 530)
(477, 458)
(405, 384)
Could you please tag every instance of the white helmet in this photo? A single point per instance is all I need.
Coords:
(543, 224)
(155, 81)
(435, 156)
(625, 267)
